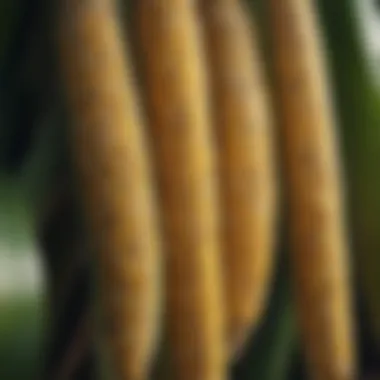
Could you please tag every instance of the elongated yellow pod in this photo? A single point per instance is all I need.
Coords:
(113, 170)
(173, 73)
(313, 173)
(243, 125)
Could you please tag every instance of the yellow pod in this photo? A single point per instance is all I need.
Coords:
(174, 80)
(243, 126)
(313, 174)
(110, 153)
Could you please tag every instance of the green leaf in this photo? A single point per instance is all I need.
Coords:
(272, 348)
(358, 107)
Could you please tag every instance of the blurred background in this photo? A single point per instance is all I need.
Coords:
(35, 199)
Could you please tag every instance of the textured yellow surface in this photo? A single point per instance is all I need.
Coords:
(320, 258)
(173, 72)
(243, 126)
(110, 153)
